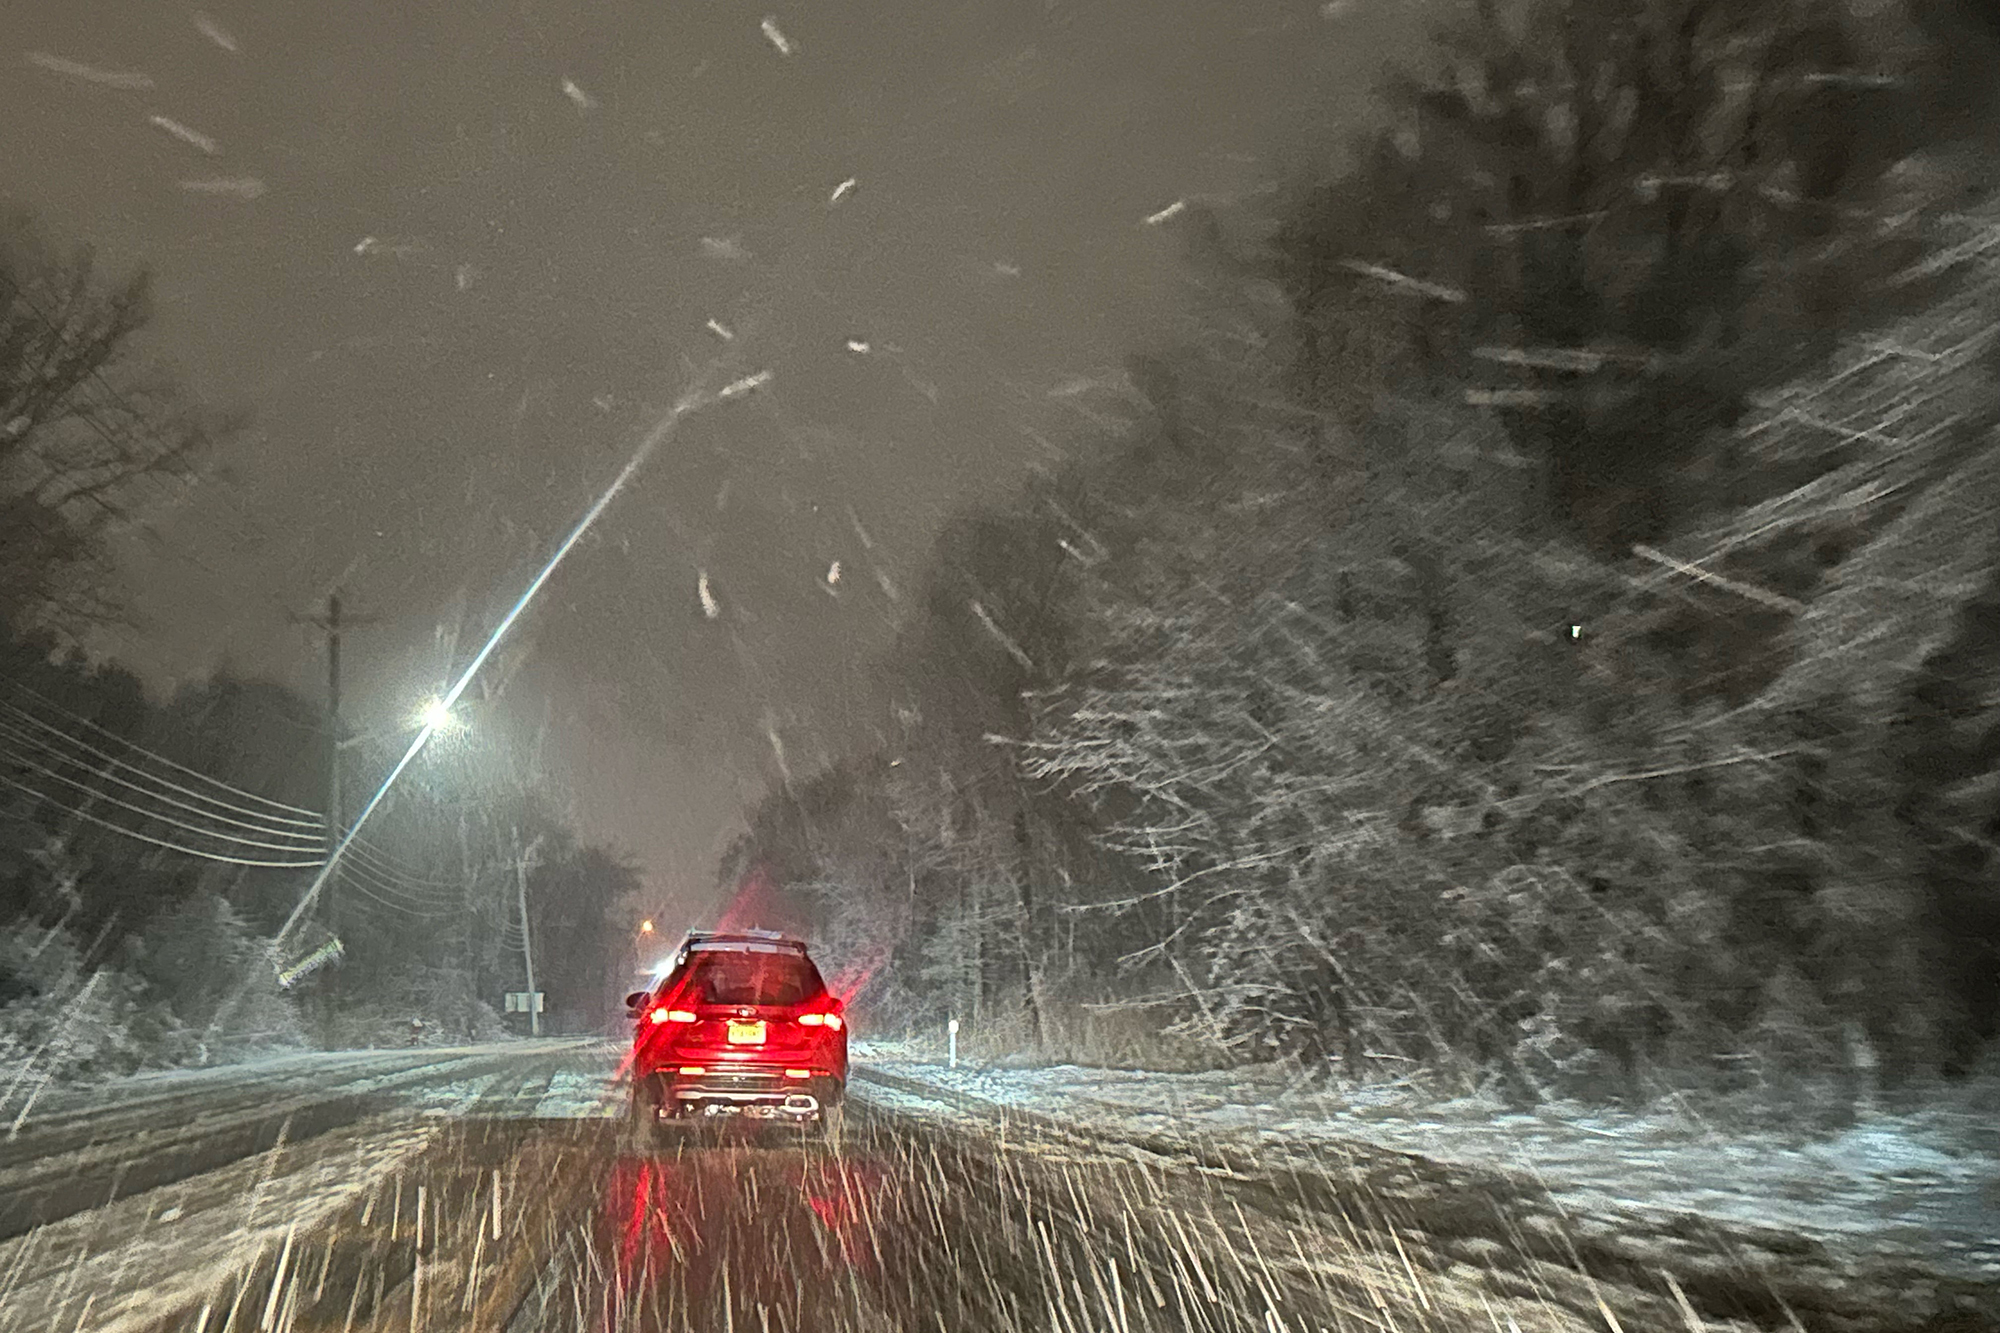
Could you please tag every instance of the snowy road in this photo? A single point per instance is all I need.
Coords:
(81, 1148)
(121, 1203)
(498, 1188)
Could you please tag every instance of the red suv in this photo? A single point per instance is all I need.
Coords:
(742, 1024)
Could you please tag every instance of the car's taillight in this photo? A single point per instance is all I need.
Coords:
(834, 1021)
(673, 1016)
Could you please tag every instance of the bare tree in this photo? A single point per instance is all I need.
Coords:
(91, 434)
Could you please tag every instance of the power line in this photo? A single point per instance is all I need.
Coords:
(106, 775)
(147, 838)
(386, 863)
(373, 884)
(414, 890)
(388, 896)
(386, 872)
(421, 914)
(312, 817)
(400, 890)
(376, 881)
(375, 859)
(109, 799)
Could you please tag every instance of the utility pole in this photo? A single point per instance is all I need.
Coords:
(473, 975)
(521, 861)
(334, 821)
(331, 623)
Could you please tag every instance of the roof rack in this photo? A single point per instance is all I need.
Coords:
(765, 940)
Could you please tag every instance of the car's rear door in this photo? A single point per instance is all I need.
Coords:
(746, 1003)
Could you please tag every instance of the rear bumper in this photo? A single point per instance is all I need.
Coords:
(752, 1089)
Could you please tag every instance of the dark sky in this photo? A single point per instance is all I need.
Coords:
(435, 407)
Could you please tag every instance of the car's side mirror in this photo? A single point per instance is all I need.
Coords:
(635, 999)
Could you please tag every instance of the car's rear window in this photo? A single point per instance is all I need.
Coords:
(750, 978)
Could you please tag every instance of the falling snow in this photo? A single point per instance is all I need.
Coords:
(235, 187)
(1912, 1183)
(215, 32)
(737, 388)
(435, 1168)
(193, 138)
(454, 1189)
(375, 245)
(123, 79)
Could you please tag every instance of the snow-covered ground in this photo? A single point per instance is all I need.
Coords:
(582, 1095)
(1925, 1185)
(120, 1264)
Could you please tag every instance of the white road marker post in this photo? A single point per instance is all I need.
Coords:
(951, 1035)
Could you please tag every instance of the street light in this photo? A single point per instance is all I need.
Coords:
(434, 717)
(646, 926)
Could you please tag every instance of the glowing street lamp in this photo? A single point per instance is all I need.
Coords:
(433, 718)
(646, 926)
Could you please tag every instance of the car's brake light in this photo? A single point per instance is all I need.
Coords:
(673, 1016)
(834, 1021)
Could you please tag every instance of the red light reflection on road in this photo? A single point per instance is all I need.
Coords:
(635, 1219)
(842, 1196)
(624, 1070)
(740, 1219)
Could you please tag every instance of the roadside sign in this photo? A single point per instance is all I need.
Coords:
(312, 962)
(525, 1002)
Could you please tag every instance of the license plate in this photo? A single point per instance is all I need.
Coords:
(746, 1034)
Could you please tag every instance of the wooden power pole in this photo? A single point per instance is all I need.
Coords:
(522, 859)
(331, 623)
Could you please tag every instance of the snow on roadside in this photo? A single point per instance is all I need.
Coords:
(452, 1099)
(581, 1095)
(1908, 1184)
(121, 1265)
(117, 1267)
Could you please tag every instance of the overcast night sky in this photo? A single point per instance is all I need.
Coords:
(435, 406)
